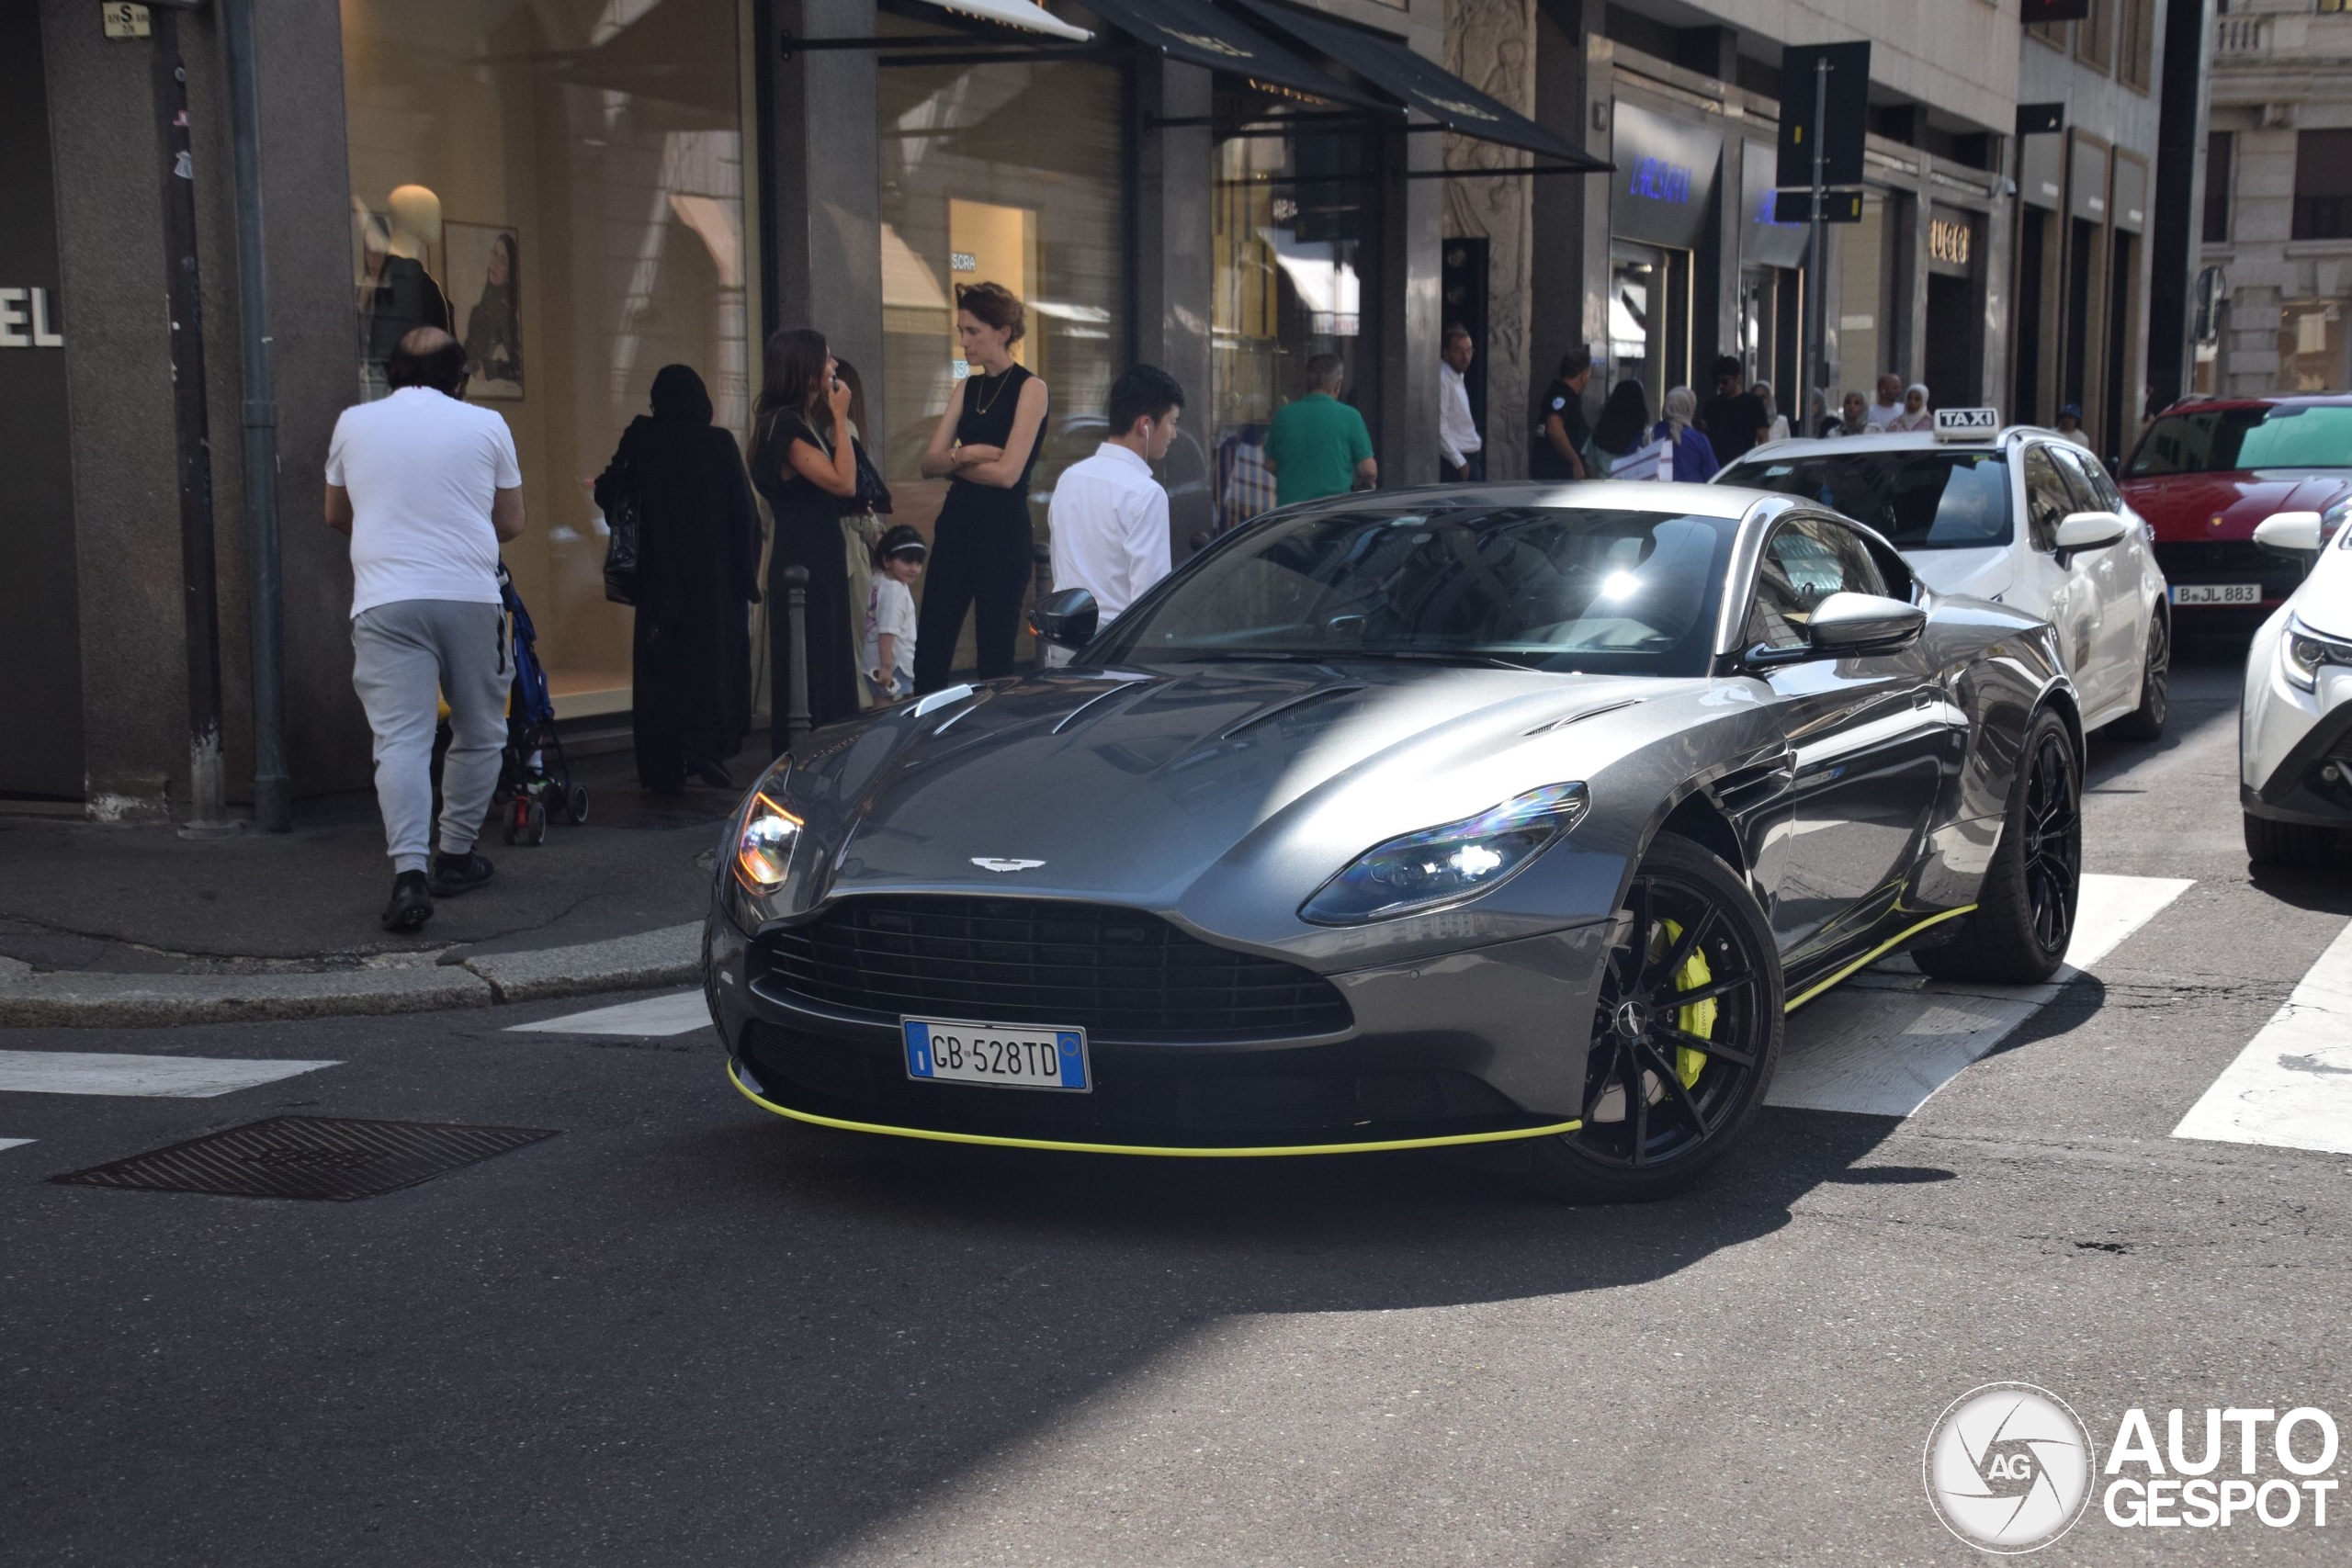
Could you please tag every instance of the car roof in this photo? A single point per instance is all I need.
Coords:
(1611, 495)
(1893, 441)
(2259, 401)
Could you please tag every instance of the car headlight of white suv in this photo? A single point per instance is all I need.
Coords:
(2306, 652)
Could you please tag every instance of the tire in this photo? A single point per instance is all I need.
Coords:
(2146, 722)
(2026, 907)
(2288, 843)
(1703, 1073)
(575, 805)
(535, 827)
(517, 816)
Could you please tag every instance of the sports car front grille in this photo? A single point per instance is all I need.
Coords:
(2241, 560)
(1118, 972)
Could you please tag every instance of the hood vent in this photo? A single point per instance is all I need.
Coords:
(1582, 714)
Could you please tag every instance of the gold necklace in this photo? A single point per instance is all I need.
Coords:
(989, 401)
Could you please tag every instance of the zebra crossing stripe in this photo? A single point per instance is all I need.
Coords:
(653, 1018)
(105, 1072)
(1888, 1039)
(2292, 1086)
(13, 1143)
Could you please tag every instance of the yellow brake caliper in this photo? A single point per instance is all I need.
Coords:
(1697, 1018)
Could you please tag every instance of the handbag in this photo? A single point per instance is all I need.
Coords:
(621, 520)
(872, 495)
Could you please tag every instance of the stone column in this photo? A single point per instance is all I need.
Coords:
(1491, 45)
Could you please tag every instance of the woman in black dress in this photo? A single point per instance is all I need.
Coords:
(985, 445)
(803, 463)
(698, 574)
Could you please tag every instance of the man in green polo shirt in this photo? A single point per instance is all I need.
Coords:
(1318, 445)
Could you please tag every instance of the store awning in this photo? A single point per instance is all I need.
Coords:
(1422, 85)
(1021, 14)
(1198, 33)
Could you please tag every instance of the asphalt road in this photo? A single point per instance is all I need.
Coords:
(684, 1332)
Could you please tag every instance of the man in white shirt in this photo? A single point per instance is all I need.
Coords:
(428, 488)
(1461, 455)
(1109, 516)
(1889, 406)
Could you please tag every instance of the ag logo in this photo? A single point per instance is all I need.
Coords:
(2009, 1467)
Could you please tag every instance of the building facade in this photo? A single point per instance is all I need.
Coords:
(586, 190)
(2276, 226)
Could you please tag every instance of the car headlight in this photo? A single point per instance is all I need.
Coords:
(764, 837)
(2306, 651)
(1446, 864)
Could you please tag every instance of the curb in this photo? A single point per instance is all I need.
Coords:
(80, 999)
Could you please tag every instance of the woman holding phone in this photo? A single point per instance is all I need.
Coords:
(985, 445)
(803, 463)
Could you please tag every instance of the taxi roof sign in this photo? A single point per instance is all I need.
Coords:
(1967, 424)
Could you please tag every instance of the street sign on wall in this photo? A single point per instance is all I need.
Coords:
(1845, 123)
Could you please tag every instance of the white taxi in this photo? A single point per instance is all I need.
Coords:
(2010, 512)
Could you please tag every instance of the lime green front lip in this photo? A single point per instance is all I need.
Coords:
(1175, 1151)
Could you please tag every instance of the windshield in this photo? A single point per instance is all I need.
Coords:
(2206, 441)
(1560, 589)
(1920, 501)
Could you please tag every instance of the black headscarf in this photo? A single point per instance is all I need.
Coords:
(679, 394)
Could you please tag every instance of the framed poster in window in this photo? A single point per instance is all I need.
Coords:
(485, 277)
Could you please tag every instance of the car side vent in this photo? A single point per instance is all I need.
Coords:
(1744, 789)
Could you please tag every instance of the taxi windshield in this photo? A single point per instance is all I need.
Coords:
(2285, 436)
(1935, 500)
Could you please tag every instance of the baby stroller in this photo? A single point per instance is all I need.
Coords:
(531, 792)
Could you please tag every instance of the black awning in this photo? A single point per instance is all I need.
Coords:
(1196, 32)
(1420, 85)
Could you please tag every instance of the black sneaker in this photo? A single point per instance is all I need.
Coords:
(453, 874)
(411, 907)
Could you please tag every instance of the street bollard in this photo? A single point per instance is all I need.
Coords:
(1042, 576)
(796, 611)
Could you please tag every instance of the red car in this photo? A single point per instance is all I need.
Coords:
(2211, 469)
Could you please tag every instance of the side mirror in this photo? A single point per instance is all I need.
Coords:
(2088, 531)
(1066, 619)
(2290, 533)
(1864, 623)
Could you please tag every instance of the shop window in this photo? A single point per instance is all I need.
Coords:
(2136, 47)
(2311, 345)
(563, 188)
(2095, 36)
(2219, 148)
(2322, 184)
(1290, 231)
(997, 173)
(1865, 342)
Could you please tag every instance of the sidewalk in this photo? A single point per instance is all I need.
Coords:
(112, 926)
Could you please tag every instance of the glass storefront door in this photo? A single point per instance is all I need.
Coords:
(1649, 320)
(1292, 232)
(1865, 338)
(560, 185)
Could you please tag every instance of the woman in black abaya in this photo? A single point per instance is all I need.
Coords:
(698, 574)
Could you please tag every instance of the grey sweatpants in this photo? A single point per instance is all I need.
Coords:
(405, 653)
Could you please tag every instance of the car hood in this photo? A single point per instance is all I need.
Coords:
(1224, 795)
(2324, 601)
(2183, 507)
(1978, 573)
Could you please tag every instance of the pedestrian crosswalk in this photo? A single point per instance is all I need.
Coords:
(13, 1143)
(116, 1072)
(652, 1019)
(1889, 1038)
(2292, 1086)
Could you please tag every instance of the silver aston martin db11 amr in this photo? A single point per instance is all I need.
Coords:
(1510, 815)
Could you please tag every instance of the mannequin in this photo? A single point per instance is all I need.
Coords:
(396, 290)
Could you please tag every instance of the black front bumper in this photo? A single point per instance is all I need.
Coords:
(2202, 562)
(2298, 789)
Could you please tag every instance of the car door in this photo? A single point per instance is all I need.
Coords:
(1870, 737)
(2112, 666)
(2043, 587)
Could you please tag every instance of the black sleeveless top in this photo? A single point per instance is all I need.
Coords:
(990, 404)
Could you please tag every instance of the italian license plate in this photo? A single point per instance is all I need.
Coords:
(2217, 594)
(1006, 1055)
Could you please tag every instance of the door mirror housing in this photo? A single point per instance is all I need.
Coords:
(2290, 533)
(1864, 623)
(1067, 619)
(2088, 531)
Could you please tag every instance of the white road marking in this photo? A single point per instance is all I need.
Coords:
(1886, 1040)
(13, 1143)
(102, 1072)
(2292, 1086)
(651, 1019)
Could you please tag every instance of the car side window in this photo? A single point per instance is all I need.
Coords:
(2080, 468)
(2047, 499)
(1804, 561)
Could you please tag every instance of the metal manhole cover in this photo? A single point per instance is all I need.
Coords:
(308, 1157)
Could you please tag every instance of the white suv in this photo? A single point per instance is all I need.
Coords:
(2015, 513)
(2295, 727)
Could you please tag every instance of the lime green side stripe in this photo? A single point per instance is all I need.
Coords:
(1178, 1152)
(1874, 955)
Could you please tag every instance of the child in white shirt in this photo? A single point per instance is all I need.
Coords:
(888, 656)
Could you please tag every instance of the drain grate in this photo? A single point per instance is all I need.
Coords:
(308, 1157)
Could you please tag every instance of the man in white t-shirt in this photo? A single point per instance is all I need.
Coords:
(1109, 515)
(1889, 407)
(428, 488)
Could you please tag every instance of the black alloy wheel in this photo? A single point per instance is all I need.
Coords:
(1686, 1030)
(2146, 722)
(2025, 910)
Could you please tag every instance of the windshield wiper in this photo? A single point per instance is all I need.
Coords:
(1249, 655)
(1434, 656)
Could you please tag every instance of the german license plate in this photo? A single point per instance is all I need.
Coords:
(2217, 594)
(1005, 1055)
